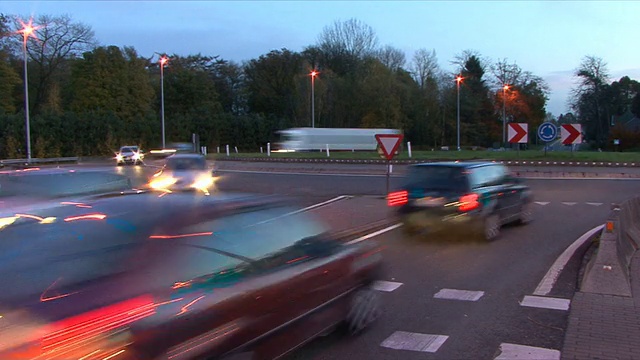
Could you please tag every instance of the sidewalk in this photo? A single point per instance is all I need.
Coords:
(605, 326)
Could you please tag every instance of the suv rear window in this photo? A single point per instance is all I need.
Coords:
(437, 178)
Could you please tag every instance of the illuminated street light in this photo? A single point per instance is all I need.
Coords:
(504, 115)
(458, 81)
(27, 30)
(313, 98)
(163, 62)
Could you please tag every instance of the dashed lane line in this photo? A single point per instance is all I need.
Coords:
(545, 302)
(402, 340)
(463, 295)
(386, 286)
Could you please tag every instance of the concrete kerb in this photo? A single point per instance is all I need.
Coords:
(416, 161)
(609, 271)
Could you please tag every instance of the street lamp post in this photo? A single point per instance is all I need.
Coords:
(26, 31)
(458, 80)
(163, 61)
(504, 115)
(313, 98)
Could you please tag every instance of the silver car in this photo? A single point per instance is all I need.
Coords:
(129, 155)
(183, 172)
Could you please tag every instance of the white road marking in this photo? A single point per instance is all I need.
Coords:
(513, 351)
(594, 203)
(305, 173)
(400, 175)
(374, 234)
(569, 203)
(545, 302)
(549, 280)
(543, 203)
(464, 295)
(387, 286)
(401, 340)
(337, 198)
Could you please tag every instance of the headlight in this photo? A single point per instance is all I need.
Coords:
(203, 182)
(136, 156)
(119, 157)
(162, 183)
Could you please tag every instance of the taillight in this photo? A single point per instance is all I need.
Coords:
(398, 198)
(469, 202)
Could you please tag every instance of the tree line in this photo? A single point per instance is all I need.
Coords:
(88, 99)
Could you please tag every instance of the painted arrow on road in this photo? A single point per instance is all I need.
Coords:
(518, 133)
(571, 134)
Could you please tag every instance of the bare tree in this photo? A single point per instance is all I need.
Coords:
(58, 39)
(393, 58)
(505, 73)
(424, 66)
(352, 38)
(587, 97)
(460, 60)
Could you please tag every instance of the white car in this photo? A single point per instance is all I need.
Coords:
(129, 154)
(183, 172)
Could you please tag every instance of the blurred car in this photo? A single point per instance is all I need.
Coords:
(461, 199)
(182, 276)
(183, 172)
(129, 154)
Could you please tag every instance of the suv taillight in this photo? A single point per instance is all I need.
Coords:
(398, 198)
(469, 202)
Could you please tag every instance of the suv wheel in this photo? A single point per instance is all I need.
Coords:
(526, 213)
(364, 309)
(491, 227)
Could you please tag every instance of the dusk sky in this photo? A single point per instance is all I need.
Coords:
(548, 38)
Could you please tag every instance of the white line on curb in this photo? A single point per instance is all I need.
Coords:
(392, 175)
(547, 282)
(374, 234)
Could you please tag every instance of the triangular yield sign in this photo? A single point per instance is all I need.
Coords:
(389, 143)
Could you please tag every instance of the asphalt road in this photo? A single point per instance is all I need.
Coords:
(505, 270)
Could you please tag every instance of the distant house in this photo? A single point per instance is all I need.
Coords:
(629, 122)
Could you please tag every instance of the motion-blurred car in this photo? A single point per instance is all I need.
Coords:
(181, 276)
(183, 172)
(129, 154)
(461, 199)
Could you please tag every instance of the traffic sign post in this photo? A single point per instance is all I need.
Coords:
(571, 134)
(389, 144)
(547, 132)
(518, 134)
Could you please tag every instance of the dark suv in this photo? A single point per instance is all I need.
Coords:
(461, 199)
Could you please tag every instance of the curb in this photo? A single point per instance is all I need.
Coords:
(409, 162)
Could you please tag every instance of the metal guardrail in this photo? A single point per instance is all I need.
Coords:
(39, 161)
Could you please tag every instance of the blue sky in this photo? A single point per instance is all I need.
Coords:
(548, 38)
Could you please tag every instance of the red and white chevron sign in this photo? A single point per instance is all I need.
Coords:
(518, 133)
(571, 134)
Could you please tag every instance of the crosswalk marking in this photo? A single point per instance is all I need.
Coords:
(401, 340)
(594, 203)
(569, 203)
(542, 202)
(464, 295)
(514, 351)
(545, 302)
(386, 286)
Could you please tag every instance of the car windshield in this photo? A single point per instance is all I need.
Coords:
(127, 149)
(436, 178)
(194, 163)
